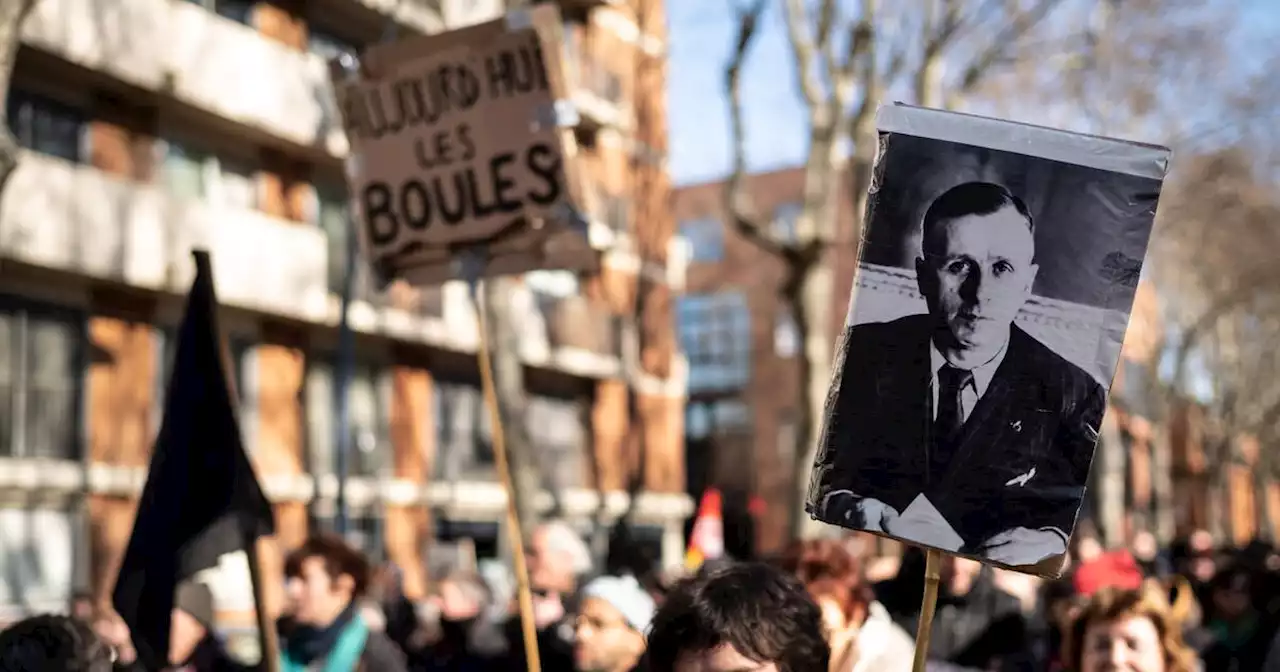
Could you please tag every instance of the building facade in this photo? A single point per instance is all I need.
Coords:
(744, 355)
(154, 126)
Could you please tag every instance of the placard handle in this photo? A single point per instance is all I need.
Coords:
(932, 577)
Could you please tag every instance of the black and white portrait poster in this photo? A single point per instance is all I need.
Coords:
(997, 272)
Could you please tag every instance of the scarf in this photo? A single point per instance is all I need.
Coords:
(339, 645)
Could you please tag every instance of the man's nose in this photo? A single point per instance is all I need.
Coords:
(975, 287)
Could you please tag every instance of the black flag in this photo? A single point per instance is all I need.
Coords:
(201, 499)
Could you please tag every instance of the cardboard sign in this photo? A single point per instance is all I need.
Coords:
(997, 271)
(457, 143)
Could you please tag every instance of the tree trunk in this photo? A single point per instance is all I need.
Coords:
(814, 326)
(1162, 485)
(1110, 465)
(508, 378)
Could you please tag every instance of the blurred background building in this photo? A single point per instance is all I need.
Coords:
(155, 126)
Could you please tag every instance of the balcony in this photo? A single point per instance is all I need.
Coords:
(80, 220)
(597, 91)
(181, 50)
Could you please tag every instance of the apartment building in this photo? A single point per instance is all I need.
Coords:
(154, 126)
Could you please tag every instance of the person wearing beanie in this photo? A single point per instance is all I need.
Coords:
(612, 620)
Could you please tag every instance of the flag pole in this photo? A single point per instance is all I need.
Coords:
(472, 266)
(268, 638)
(932, 577)
(343, 365)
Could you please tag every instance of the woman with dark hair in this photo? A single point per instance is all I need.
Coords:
(862, 635)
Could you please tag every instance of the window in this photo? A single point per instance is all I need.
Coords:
(192, 172)
(464, 446)
(717, 418)
(706, 238)
(46, 126)
(41, 373)
(715, 334)
(618, 214)
(786, 335)
(557, 430)
(329, 46)
(785, 218)
(38, 558)
(368, 415)
(240, 11)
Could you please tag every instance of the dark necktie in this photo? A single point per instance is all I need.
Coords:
(947, 424)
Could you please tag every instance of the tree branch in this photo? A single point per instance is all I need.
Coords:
(998, 50)
(738, 204)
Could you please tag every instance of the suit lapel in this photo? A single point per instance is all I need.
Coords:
(900, 389)
(985, 424)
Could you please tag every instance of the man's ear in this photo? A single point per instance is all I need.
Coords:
(345, 583)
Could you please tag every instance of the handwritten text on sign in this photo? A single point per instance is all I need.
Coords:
(448, 147)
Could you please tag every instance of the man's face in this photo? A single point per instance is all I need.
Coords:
(723, 658)
(976, 274)
(604, 641)
(1131, 644)
(317, 599)
(548, 569)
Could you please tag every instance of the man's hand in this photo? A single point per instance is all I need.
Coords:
(877, 516)
(1023, 546)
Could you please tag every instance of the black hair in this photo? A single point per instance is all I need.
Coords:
(970, 198)
(757, 609)
(338, 556)
(49, 642)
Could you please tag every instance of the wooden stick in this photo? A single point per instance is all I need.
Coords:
(932, 577)
(268, 638)
(515, 535)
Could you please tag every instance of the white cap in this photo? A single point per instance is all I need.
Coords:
(626, 595)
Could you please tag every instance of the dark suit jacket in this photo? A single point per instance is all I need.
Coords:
(1039, 411)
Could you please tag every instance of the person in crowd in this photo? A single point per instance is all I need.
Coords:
(326, 579)
(614, 614)
(1132, 630)
(558, 562)
(731, 617)
(1241, 633)
(193, 647)
(977, 624)
(53, 644)
(466, 639)
(862, 635)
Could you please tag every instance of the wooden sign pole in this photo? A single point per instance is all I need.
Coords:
(515, 535)
(932, 577)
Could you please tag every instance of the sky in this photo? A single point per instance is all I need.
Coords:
(701, 35)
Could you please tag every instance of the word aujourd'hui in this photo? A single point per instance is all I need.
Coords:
(451, 188)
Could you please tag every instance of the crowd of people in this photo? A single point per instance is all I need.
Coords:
(812, 608)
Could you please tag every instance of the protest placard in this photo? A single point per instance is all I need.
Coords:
(996, 276)
(458, 143)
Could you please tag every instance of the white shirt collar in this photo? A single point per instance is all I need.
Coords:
(982, 374)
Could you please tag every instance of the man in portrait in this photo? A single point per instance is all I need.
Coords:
(956, 428)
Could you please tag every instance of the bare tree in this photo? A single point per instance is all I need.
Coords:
(933, 52)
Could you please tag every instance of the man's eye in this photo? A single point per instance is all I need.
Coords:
(956, 267)
(1003, 267)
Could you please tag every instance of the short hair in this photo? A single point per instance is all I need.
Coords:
(562, 538)
(826, 568)
(970, 198)
(50, 642)
(339, 558)
(757, 609)
(1113, 604)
